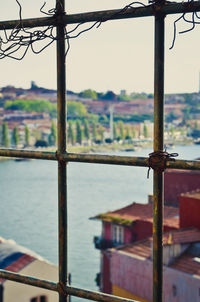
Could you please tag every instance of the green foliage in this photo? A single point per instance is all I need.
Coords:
(124, 97)
(15, 136)
(79, 133)
(52, 139)
(31, 105)
(5, 135)
(94, 131)
(86, 130)
(136, 95)
(27, 136)
(115, 220)
(127, 132)
(109, 95)
(88, 94)
(76, 109)
(133, 132)
(71, 136)
(115, 131)
(121, 129)
(145, 131)
(101, 132)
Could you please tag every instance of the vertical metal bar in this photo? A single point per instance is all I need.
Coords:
(158, 145)
(62, 182)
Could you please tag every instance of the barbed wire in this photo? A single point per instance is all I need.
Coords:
(15, 43)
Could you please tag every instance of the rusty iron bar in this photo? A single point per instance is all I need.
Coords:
(98, 159)
(115, 14)
(158, 146)
(61, 128)
(53, 286)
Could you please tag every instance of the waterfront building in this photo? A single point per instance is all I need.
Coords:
(16, 258)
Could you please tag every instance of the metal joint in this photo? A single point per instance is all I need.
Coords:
(158, 160)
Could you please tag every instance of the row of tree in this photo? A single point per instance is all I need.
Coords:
(78, 132)
(6, 140)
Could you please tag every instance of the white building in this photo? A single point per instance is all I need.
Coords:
(16, 258)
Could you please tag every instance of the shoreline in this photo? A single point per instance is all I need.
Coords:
(114, 147)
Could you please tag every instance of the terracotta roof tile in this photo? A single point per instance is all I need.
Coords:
(142, 212)
(182, 236)
(187, 264)
(18, 265)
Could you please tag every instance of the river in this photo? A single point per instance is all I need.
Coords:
(29, 205)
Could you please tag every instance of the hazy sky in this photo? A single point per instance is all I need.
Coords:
(117, 55)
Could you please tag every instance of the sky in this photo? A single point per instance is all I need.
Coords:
(117, 55)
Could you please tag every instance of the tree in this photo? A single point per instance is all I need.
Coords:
(145, 131)
(71, 136)
(5, 136)
(127, 133)
(27, 136)
(109, 95)
(114, 131)
(15, 136)
(79, 133)
(94, 131)
(53, 135)
(76, 109)
(101, 132)
(133, 132)
(121, 129)
(88, 94)
(86, 130)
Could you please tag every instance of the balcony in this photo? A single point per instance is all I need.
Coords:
(103, 244)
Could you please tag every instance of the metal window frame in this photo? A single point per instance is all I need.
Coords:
(158, 9)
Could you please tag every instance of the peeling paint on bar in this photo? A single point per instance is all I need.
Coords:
(98, 159)
(78, 292)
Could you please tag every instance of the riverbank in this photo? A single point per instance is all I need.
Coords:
(114, 147)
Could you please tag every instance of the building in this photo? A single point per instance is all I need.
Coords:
(177, 182)
(132, 268)
(127, 266)
(124, 226)
(16, 258)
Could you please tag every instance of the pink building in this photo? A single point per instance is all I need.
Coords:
(124, 226)
(131, 268)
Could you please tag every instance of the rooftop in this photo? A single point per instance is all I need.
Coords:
(188, 262)
(142, 212)
(14, 257)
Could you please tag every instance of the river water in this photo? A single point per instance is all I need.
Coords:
(28, 207)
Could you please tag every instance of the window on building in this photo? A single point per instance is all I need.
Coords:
(174, 290)
(39, 299)
(118, 234)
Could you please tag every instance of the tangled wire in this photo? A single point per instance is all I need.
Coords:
(19, 40)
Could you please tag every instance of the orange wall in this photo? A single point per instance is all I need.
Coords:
(117, 291)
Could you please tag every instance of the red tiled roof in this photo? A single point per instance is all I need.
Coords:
(187, 264)
(182, 236)
(140, 248)
(142, 212)
(143, 248)
(18, 265)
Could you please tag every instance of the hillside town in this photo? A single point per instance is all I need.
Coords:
(28, 117)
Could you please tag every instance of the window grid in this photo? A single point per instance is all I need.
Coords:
(158, 9)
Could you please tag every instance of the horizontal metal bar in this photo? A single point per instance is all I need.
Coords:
(115, 14)
(28, 154)
(28, 280)
(99, 159)
(69, 290)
